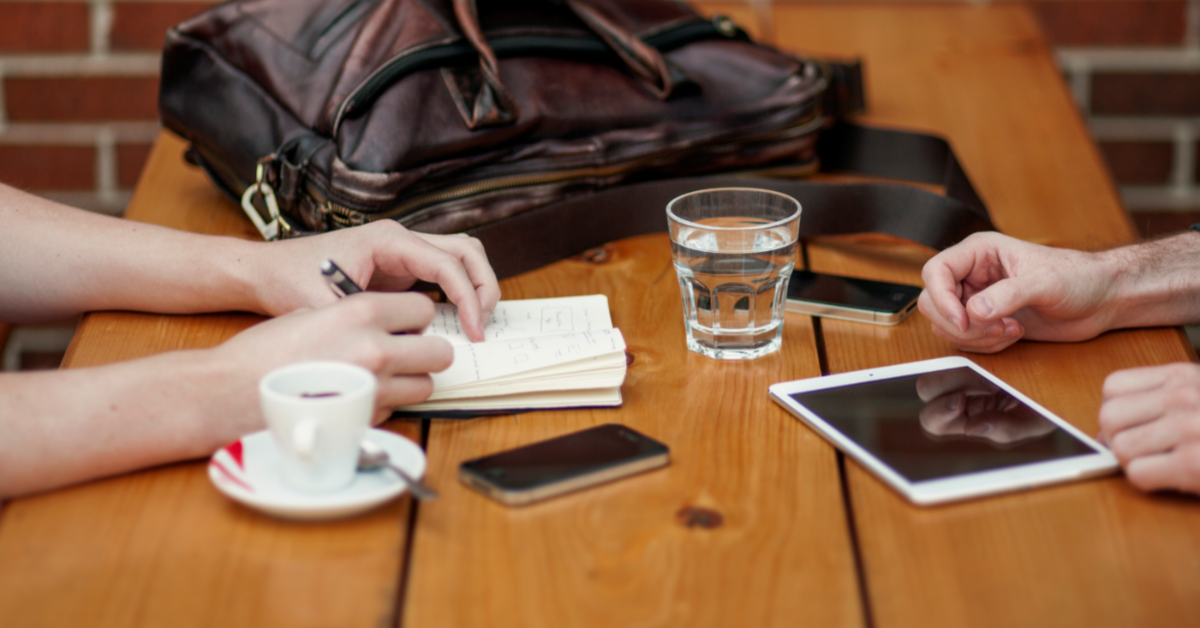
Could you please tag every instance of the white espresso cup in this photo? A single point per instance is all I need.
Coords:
(318, 413)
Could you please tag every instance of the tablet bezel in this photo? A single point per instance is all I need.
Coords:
(958, 487)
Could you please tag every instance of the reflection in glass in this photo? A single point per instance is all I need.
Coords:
(941, 424)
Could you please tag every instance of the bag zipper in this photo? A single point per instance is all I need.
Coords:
(344, 216)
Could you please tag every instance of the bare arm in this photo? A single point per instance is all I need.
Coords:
(64, 427)
(57, 261)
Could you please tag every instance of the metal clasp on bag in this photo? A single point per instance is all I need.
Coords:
(269, 230)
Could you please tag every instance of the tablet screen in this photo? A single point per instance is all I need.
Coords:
(941, 424)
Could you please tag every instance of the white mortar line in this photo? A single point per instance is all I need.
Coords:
(113, 64)
(1191, 33)
(1080, 73)
(1185, 160)
(1135, 129)
(106, 165)
(1131, 59)
(101, 15)
(1159, 198)
(89, 200)
(77, 133)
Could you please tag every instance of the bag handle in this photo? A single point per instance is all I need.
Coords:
(480, 96)
(646, 62)
(541, 236)
(483, 100)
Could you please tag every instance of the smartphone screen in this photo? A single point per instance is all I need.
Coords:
(834, 294)
(563, 464)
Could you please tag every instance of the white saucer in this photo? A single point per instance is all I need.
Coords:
(247, 471)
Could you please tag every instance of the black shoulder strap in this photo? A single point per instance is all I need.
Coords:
(547, 234)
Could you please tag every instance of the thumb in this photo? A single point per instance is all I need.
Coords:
(1001, 299)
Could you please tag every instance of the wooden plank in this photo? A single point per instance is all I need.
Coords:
(622, 554)
(980, 75)
(1096, 553)
(161, 547)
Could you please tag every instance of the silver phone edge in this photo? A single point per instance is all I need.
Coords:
(523, 497)
(874, 317)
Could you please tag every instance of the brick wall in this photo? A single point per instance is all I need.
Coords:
(78, 80)
(78, 92)
(78, 83)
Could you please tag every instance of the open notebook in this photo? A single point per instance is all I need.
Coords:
(537, 353)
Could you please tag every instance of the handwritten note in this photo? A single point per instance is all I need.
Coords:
(527, 318)
(488, 360)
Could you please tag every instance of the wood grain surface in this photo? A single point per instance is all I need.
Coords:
(635, 552)
(748, 525)
(162, 547)
(1096, 553)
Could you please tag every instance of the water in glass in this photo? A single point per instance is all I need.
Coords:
(734, 285)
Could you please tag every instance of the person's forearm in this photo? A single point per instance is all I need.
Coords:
(64, 427)
(1157, 283)
(58, 261)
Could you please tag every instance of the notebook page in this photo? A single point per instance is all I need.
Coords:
(526, 318)
(485, 360)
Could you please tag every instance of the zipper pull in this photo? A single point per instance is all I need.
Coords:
(728, 28)
(269, 229)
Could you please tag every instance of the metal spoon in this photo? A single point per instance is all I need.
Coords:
(371, 456)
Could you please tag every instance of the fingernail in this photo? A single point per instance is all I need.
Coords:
(982, 306)
(1012, 330)
(954, 320)
(994, 330)
(954, 402)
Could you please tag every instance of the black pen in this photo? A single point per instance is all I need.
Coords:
(341, 285)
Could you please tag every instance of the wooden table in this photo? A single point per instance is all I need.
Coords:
(758, 521)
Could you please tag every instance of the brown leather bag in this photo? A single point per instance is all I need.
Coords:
(540, 125)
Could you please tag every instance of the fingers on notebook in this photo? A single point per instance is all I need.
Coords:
(456, 263)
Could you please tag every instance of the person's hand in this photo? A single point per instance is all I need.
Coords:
(1151, 420)
(358, 329)
(961, 403)
(380, 256)
(991, 290)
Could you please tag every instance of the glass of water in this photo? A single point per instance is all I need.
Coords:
(734, 249)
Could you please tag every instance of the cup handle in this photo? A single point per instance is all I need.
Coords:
(304, 438)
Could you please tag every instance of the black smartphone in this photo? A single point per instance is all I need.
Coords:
(850, 298)
(564, 464)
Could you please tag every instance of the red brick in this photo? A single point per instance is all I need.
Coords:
(82, 99)
(143, 25)
(1161, 94)
(44, 27)
(131, 158)
(48, 167)
(1152, 224)
(1111, 22)
(1139, 162)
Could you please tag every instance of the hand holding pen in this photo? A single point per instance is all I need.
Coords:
(393, 259)
(341, 285)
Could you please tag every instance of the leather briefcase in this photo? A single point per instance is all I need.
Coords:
(524, 121)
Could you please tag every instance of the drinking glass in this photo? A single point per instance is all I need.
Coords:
(734, 250)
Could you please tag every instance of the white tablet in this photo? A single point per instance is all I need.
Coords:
(943, 430)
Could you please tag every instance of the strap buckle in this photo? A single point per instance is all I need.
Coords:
(269, 229)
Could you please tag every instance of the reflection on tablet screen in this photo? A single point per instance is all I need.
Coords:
(941, 424)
